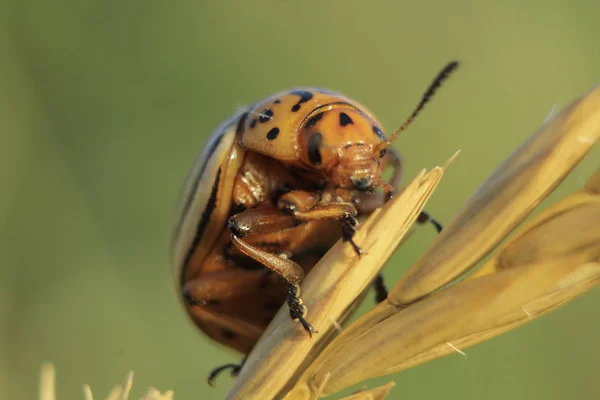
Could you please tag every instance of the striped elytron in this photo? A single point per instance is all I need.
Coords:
(276, 186)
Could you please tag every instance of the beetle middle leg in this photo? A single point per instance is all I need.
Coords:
(344, 212)
(304, 206)
(270, 220)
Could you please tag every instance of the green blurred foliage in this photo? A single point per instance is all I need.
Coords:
(105, 104)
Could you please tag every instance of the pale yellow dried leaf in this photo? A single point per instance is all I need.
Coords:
(330, 291)
(440, 323)
(47, 382)
(121, 392)
(571, 225)
(505, 198)
(87, 392)
(153, 394)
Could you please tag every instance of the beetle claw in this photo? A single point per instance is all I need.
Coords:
(235, 370)
(307, 326)
(359, 252)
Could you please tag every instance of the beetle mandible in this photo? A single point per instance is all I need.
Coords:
(276, 186)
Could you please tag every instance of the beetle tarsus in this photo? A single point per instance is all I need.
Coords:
(348, 231)
(297, 309)
(424, 218)
(388, 191)
(307, 327)
(235, 370)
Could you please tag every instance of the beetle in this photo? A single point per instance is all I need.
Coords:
(275, 187)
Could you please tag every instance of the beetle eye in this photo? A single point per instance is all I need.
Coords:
(382, 153)
(314, 148)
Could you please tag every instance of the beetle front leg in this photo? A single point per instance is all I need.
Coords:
(304, 206)
(263, 221)
(343, 212)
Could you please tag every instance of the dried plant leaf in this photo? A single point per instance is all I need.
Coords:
(505, 198)
(457, 317)
(330, 292)
(47, 382)
(119, 392)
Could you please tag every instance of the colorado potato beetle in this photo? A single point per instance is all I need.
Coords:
(275, 187)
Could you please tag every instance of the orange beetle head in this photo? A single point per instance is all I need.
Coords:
(343, 144)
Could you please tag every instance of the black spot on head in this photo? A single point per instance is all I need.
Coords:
(265, 115)
(314, 148)
(273, 133)
(345, 119)
(277, 101)
(228, 334)
(304, 97)
(378, 132)
(253, 123)
(313, 121)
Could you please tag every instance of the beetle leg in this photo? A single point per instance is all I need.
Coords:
(381, 292)
(344, 212)
(297, 309)
(424, 218)
(222, 285)
(262, 221)
(235, 370)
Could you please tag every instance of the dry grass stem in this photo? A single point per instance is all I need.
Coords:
(330, 292)
(47, 382)
(119, 392)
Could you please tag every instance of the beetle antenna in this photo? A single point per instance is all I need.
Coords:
(437, 82)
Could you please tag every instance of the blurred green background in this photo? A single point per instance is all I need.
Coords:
(105, 104)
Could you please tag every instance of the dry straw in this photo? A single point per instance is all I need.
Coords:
(430, 313)
(119, 392)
